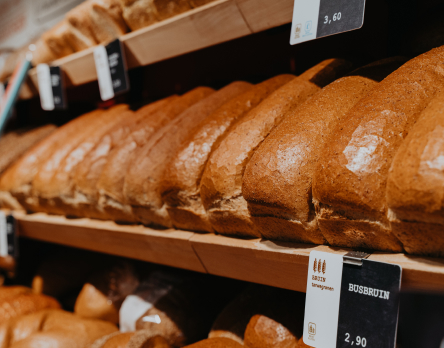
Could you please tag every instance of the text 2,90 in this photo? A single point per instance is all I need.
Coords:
(360, 341)
(336, 17)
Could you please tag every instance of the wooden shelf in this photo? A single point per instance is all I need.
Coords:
(279, 264)
(214, 23)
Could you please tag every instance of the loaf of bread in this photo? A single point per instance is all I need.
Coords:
(278, 178)
(105, 291)
(53, 186)
(52, 328)
(88, 171)
(221, 184)
(80, 33)
(25, 303)
(142, 182)
(140, 340)
(180, 187)
(57, 40)
(9, 292)
(264, 332)
(349, 187)
(114, 340)
(415, 184)
(111, 182)
(42, 53)
(107, 20)
(217, 342)
(17, 179)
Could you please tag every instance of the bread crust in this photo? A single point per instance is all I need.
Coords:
(350, 182)
(221, 185)
(143, 180)
(277, 182)
(107, 21)
(57, 40)
(415, 193)
(80, 34)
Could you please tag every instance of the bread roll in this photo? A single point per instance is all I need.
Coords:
(17, 180)
(217, 342)
(111, 182)
(180, 187)
(114, 340)
(53, 185)
(25, 303)
(264, 332)
(415, 184)
(221, 184)
(142, 182)
(88, 171)
(349, 188)
(9, 292)
(278, 178)
(138, 341)
(107, 20)
(80, 27)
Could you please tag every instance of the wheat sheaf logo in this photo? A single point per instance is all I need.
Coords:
(319, 266)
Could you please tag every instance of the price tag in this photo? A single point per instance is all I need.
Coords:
(351, 302)
(7, 235)
(51, 87)
(111, 69)
(313, 19)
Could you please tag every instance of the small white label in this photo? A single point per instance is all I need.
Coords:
(45, 87)
(132, 310)
(3, 235)
(322, 299)
(305, 21)
(103, 73)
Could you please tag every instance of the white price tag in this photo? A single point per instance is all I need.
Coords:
(3, 235)
(131, 310)
(322, 299)
(103, 73)
(45, 87)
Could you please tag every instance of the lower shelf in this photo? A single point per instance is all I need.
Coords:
(279, 264)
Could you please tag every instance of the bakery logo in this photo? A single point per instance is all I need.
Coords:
(319, 266)
(308, 25)
(369, 291)
(297, 31)
(311, 331)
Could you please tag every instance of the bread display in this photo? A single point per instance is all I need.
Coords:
(415, 184)
(107, 20)
(277, 183)
(80, 27)
(218, 342)
(180, 187)
(111, 183)
(57, 40)
(142, 182)
(221, 182)
(349, 187)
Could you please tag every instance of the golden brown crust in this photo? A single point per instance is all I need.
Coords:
(221, 185)
(57, 40)
(180, 184)
(217, 342)
(25, 303)
(351, 180)
(138, 13)
(79, 32)
(169, 8)
(107, 20)
(277, 180)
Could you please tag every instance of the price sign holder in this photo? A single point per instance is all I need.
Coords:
(111, 69)
(8, 242)
(351, 301)
(51, 87)
(313, 19)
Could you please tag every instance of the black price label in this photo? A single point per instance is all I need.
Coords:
(314, 19)
(51, 87)
(368, 309)
(58, 87)
(8, 236)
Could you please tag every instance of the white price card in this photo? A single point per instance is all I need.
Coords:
(45, 87)
(103, 73)
(3, 235)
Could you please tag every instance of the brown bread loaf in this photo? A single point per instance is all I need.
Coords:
(52, 328)
(264, 332)
(111, 182)
(57, 40)
(221, 184)
(349, 187)
(88, 171)
(25, 303)
(9, 292)
(415, 184)
(217, 342)
(80, 27)
(114, 340)
(278, 178)
(142, 182)
(53, 184)
(180, 187)
(107, 22)
(42, 53)
(139, 341)
(17, 180)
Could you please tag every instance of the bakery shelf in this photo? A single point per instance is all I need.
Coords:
(279, 264)
(211, 24)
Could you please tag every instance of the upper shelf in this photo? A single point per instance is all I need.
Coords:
(214, 23)
(279, 264)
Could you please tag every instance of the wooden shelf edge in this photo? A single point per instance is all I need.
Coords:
(274, 263)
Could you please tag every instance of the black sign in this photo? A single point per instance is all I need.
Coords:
(11, 235)
(336, 16)
(117, 67)
(369, 303)
(58, 87)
